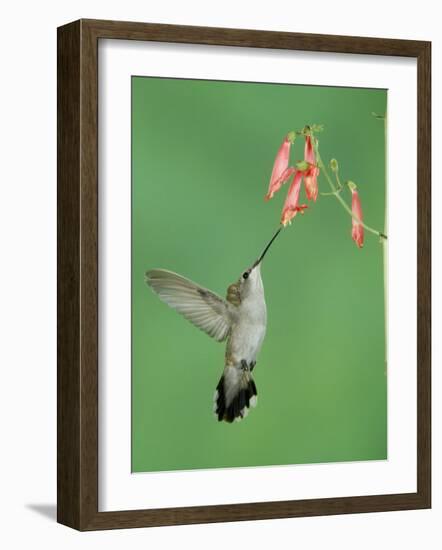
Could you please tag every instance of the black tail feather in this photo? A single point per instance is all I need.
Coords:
(239, 406)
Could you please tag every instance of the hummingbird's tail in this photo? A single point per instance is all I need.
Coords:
(235, 394)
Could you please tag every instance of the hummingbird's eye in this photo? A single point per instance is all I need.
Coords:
(245, 275)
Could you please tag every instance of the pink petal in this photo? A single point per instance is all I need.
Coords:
(311, 183)
(309, 154)
(291, 207)
(357, 232)
(279, 167)
(279, 182)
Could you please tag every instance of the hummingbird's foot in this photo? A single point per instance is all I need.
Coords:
(247, 367)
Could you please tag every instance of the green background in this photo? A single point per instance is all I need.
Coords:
(202, 154)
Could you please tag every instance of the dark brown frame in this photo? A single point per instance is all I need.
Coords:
(77, 224)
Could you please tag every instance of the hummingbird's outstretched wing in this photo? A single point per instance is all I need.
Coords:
(202, 307)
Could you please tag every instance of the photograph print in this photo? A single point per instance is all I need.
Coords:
(259, 246)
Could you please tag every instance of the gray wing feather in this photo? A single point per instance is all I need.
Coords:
(202, 307)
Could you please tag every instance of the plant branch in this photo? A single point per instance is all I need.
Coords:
(336, 192)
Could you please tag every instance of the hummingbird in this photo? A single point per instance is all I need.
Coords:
(240, 320)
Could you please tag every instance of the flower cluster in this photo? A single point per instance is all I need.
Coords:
(307, 171)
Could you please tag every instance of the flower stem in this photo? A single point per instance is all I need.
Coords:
(336, 193)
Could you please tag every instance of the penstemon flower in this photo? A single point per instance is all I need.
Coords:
(312, 172)
(291, 207)
(281, 171)
(357, 232)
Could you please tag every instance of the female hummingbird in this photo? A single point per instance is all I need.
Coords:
(240, 319)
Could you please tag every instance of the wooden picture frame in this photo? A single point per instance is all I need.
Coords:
(77, 462)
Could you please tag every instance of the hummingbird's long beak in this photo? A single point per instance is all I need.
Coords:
(264, 252)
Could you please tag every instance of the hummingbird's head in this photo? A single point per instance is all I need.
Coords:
(250, 280)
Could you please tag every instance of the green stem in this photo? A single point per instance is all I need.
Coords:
(335, 192)
(340, 186)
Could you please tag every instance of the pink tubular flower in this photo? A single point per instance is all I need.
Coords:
(312, 173)
(281, 172)
(357, 232)
(309, 154)
(291, 207)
